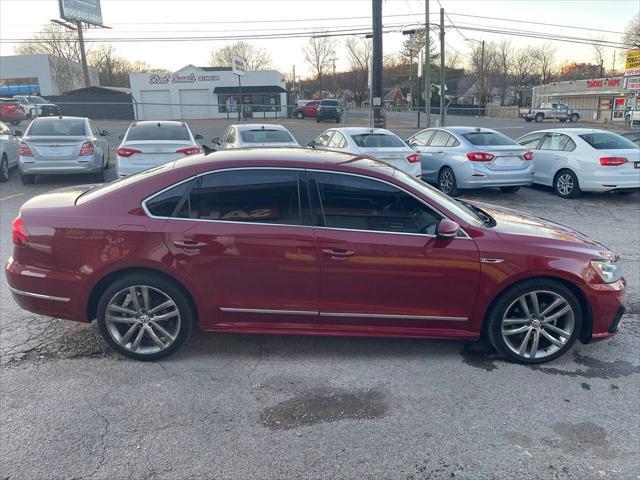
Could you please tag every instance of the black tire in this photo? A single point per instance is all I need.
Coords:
(4, 169)
(99, 177)
(509, 296)
(27, 179)
(562, 120)
(574, 118)
(566, 184)
(107, 164)
(300, 115)
(162, 284)
(509, 189)
(447, 182)
(528, 120)
(539, 117)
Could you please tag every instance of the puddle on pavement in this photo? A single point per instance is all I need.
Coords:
(594, 368)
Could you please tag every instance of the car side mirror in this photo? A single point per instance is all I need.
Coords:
(311, 144)
(447, 229)
(198, 137)
(215, 140)
(105, 133)
(17, 133)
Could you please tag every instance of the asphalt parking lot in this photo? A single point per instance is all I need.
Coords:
(241, 406)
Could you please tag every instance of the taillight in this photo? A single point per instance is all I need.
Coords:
(126, 152)
(612, 161)
(189, 150)
(87, 149)
(480, 156)
(24, 150)
(20, 232)
(528, 155)
(413, 158)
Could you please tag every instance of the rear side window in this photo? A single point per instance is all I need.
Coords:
(338, 141)
(166, 204)
(488, 139)
(57, 128)
(356, 203)
(531, 141)
(558, 142)
(440, 139)
(158, 131)
(607, 141)
(377, 140)
(323, 140)
(265, 136)
(422, 138)
(252, 196)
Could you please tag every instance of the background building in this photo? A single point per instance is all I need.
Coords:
(41, 74)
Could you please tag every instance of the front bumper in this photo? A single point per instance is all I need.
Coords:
(85, 164)
(607, 308)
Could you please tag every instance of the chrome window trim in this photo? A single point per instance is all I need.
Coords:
(341, 314)
(38, 295)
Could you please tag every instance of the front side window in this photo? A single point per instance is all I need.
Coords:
(252, 196)
(57, 128)
(607, 141)
(357, 203)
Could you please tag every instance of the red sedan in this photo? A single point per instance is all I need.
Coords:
(306, 242)
(11, 111)
(309, 109)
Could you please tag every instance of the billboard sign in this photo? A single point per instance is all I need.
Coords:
(632, 66)
(238, 65)
(86, 11)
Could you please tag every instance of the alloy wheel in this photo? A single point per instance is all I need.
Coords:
(142, 319)
(4, 174)
(538, 324)
(565, 184)
(446, 181)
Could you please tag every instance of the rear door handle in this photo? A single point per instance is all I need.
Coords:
(338, 253)
(189, 244)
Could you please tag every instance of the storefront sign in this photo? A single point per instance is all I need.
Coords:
(632, 84)
(603, 82)
(632, 67)
(165, 78)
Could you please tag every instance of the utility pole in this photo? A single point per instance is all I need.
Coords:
(376, 84)
(410, 79)
(83, 55)
(442, 72)
(427, 66)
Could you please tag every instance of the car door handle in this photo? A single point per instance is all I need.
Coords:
(442, 151)
(338, 253)
(189, 244)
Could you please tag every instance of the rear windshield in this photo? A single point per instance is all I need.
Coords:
(158, 131)
(607, 141)
(488, 138)
(57, 128)
(265, 136)
(375, 140)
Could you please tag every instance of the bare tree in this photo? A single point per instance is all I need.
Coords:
(503, 59)
(545, 57)
(632, 32)
(482, 60)
(52, 40)
(319, 52)
(453, 60)
(598, 54)
(255, 58)
(359, 52)
(113, 69)
(523, 72)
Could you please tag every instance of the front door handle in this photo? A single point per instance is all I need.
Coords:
(189, 244)
(338, 253)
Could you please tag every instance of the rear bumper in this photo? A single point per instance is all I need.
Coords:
(88, 164)
(476, 175)
(606, 181)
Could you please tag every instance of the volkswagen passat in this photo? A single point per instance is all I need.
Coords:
(458, 158)
(293, 241)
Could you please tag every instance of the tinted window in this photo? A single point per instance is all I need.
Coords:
(323, 140)
(531, 141)
(376, 140)
(362, 204)
(488, 138)
(256, 196)
(165, 204)
(265, 136)
(440, 139)
(64, 127)
(330, 103)
(452, 142)
(158, 131)
(607, 141)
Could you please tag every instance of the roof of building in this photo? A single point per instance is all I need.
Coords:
(250, 89)
(215, 69)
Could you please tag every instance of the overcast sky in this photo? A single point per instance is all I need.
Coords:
(171, 18)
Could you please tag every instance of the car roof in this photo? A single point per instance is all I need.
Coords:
(53, 119)
(362, 130)
(258, 126)
(575, 131)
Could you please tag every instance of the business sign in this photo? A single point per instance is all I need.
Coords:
(165, 78)
(632, 84)
(238, 65)
(604, 82)
(632, 66)
(87, 11)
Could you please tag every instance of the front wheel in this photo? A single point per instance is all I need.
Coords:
(566, 184)
(509, 189)
(535, 321)
(574, 118)
(539, 117)
(447, 182)
(144, 316)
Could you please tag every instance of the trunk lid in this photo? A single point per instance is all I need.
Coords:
(156, 152)
(507, 157)
(629, 168)
(62, 197)
(55, 148)
(396, 156)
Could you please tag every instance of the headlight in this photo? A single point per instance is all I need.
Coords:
(610, 270)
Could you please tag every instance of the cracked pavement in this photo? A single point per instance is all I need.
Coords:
(242, 406)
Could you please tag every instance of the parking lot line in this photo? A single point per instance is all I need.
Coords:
(9, 197)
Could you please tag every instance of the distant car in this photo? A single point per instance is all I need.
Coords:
(35, 106)
(309, 109)
(574, 160)
(377, 143)
(150, 143)
(8, 150)
(457, 158)
(329, 110)
(549, 111)
(632, 136)
(255, 135)
(11, 111)
(61, 145)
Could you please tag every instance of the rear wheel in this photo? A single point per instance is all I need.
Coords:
(539, 117)
(566, 184)
(574, 118)
(447, 182)
(4, 169)
(144, 316)
(509, 189)
(300, 115)
(27, 179)
(535, 321)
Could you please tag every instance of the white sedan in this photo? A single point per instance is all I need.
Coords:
(574, 160)
(378, 143)
(255, 135)
(150, 143)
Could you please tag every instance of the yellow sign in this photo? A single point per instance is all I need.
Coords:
(633, 60)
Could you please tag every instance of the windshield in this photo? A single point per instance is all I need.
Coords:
(488, 139)
(37, 100)
(607, 141)
(265, 136)
(455, 207)
(377, 140)
(158, 131)
(65, 127)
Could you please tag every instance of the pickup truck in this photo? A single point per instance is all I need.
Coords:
(559, 111)
(35, 106)
(632, 118)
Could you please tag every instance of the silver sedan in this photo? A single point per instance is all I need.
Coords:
(61, 145)
(255, 135)
(458, 158)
